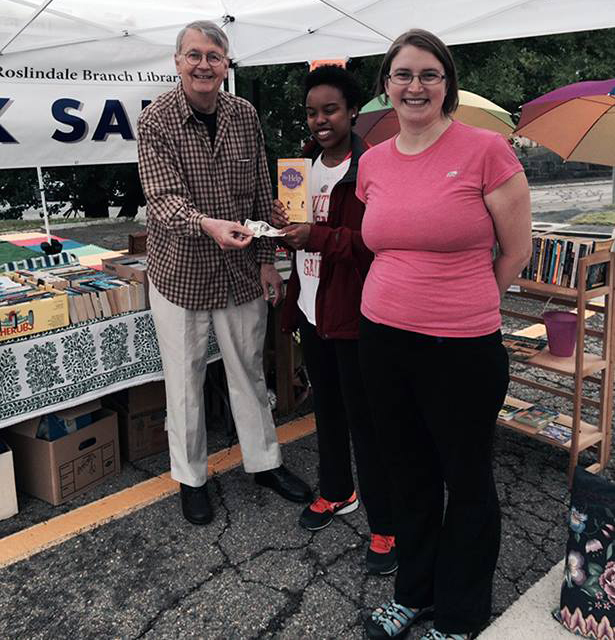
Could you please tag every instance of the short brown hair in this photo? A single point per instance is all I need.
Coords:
(429, 42)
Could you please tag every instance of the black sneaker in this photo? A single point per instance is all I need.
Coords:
(196, 506)
(320, 513)
(381, 556)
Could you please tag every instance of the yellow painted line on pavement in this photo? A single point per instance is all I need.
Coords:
(23, 544)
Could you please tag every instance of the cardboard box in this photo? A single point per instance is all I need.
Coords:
(8, 494)
(142, 434)
(129, 267)
(141, 418)
(137, 242)
(60, 470)
(142, 399)
(25, 318)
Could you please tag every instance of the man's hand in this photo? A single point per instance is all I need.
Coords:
(279, 217)
(227, 234)
(296, 235)
(271, 278)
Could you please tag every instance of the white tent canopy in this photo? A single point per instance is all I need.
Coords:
(75, 74)
(278, 31)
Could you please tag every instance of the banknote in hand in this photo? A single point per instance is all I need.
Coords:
(262, 228)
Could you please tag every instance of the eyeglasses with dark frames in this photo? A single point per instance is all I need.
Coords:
(426, 78)
(194, 58)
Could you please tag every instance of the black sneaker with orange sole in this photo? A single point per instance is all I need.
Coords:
(321, 512)
(381, 556)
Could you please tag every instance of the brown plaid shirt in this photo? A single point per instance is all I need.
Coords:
(185, 180)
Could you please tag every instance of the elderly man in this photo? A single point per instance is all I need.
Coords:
(203, 168)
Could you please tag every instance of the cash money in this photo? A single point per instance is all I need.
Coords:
(262, 228)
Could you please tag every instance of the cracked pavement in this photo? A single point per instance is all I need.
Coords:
(254, 573)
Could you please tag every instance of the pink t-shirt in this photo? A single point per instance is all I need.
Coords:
(432, 236)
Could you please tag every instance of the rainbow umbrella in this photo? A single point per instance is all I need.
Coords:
(378, 121)
(576, 121)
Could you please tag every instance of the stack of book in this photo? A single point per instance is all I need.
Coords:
(14, 292)
(130, 267)
(535, 416)
(555, 260)
(556, 431)
(508, 411)
(28, 308)
(522, 348)
(91, 293)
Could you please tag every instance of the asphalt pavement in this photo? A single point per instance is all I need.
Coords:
(254, 573)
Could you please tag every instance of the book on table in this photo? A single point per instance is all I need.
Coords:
(536, 416)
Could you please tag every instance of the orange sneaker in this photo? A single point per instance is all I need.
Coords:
(320, 513)
(381, 556)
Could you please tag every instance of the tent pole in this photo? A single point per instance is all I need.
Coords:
(41, 188)
(231, 80)
(613, 187)
(26, 24)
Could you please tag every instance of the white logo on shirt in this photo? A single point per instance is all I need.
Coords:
(452, 174)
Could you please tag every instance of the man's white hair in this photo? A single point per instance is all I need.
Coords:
(208, 29)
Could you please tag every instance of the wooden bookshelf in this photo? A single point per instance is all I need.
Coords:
(584, 367)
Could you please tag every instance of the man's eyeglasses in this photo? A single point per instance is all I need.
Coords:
(425, 77)
(194, 57)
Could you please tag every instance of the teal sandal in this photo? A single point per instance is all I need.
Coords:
(392, 620)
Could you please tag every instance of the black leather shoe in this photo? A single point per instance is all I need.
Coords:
(285, 483)
(195, 504)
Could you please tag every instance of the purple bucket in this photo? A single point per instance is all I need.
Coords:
(561, 332)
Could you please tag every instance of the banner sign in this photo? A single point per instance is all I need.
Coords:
(71, 112)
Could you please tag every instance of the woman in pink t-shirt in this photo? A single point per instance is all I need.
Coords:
(438, 198)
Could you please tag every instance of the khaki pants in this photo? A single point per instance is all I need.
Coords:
(182, 338)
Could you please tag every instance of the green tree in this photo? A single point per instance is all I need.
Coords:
(90, 190)
(513, 72)
(18, 192)
(277, 93)
(508, 72)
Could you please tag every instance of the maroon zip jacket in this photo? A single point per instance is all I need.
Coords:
(345, 258)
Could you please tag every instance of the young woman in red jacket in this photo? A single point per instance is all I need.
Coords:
(322, 300)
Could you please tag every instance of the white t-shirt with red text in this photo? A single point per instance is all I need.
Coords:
(322, 181)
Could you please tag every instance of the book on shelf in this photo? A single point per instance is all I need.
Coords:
(508, 411)
(556, 431)
(555, 260)
(536, 416)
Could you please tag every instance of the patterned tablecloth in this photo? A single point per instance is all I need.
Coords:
(66, 367)
(63, 368)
